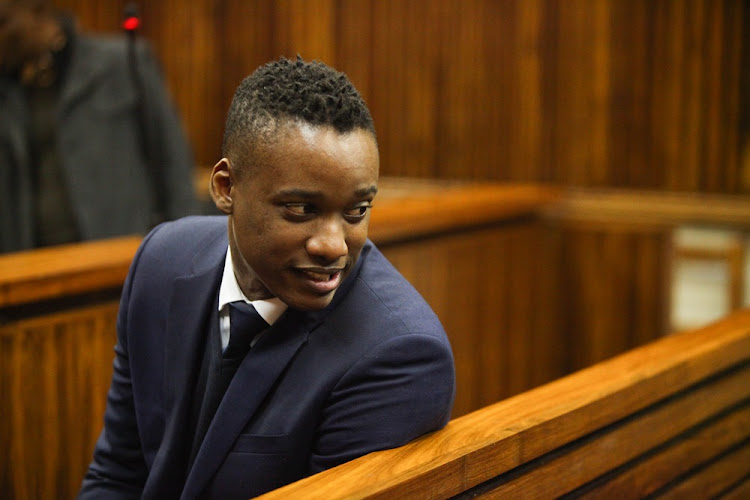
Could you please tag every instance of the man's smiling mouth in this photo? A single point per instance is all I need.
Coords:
(318, 276)
(321, 280)
(321, 274)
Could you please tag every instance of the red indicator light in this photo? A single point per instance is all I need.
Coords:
(131, 23)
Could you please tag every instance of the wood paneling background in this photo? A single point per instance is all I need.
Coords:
(496, 292)
(617, 282)
(54, 376)
(619, 93)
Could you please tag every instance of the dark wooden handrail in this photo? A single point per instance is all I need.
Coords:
(529, 441)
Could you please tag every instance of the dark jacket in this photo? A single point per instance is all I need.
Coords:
(106, 174)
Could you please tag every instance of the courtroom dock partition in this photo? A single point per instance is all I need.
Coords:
(670, 419)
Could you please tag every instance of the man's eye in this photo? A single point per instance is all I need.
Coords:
(300, 208)
(357, 212)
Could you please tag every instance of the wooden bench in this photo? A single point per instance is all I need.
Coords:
(671, 419)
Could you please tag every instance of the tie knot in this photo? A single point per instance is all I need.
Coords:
(244, 324)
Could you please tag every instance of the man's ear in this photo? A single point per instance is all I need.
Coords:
(220, 185)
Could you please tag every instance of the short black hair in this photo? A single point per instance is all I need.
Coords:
(287, 90)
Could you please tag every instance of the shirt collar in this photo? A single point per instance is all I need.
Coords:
(229, 291)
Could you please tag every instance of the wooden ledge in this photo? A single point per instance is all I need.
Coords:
(496, 439)
(409, 209)
(606, 206)
(49, 273)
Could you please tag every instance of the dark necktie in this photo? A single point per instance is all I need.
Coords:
(245, 324)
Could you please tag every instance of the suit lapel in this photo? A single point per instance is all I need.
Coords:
(251, 384)
(85, 69)
(189, 309)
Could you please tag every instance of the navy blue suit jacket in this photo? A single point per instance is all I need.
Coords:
(373, 370)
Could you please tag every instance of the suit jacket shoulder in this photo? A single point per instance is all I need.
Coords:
(186, 245)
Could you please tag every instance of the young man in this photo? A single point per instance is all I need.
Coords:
(348, 358)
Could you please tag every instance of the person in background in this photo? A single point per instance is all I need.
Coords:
(90, 143)
(276, 341)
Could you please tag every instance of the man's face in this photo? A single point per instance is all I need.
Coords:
(299, 216)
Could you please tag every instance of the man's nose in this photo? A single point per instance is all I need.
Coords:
(328, 243)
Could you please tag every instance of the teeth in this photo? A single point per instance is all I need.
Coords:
(318, 276)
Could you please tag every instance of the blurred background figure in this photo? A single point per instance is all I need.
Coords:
(90, 143)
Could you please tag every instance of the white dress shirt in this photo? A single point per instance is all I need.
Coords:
(229, 291)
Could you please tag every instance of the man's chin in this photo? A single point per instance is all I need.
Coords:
(309, 302)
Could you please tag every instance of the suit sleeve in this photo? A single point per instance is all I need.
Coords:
(118, 469)
(402, 389)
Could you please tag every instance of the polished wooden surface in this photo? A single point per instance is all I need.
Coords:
(66, 270)
(616, 292)
(406, 209)
(409, 209)
(655, 208)
(614, 430)
(614, 93)
(616, 256)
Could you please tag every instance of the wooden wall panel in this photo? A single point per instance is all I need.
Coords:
(635, 94)
(190, 32)
(495, 291)
(55, 372)
(616, 288)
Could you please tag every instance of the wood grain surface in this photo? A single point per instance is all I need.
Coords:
(601, 93)
(592, 425)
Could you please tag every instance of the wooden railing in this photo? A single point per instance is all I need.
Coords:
(671, 417)
(64, 271)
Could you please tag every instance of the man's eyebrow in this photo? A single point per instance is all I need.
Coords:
(367, 191)
(299, 193)
(310, 195)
